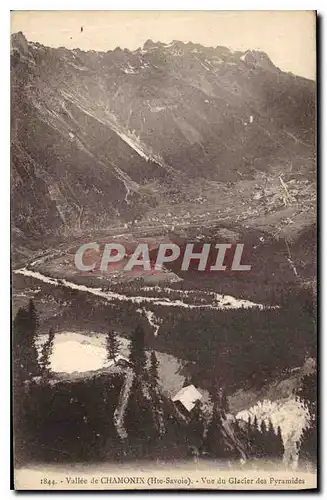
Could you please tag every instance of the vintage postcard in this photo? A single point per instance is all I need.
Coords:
(163, 222)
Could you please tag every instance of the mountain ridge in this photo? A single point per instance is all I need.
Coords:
(110, 136)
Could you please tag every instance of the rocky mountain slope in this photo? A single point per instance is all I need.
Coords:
(104, 137)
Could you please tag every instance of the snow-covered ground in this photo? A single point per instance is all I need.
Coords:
(219, 301)
(77, 352)
(290, 414)
(152, 319)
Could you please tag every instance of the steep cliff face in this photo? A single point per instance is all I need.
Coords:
(100, 137)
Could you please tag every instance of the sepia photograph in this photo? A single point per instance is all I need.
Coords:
(163, 250)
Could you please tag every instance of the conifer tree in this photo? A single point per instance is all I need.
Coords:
(112, 345)
(219, 399)
(33, 319)
(265, 443)
(196, 425)
(223, 402)
(255, 438)
(271, 441)
(279, 445)
(137, 354)
(307, 394)
(157, 403)
(250, 435)
(308, 444)
(25, 366)
(249, 425)
(24, 348)
(46, 352)
(153, 372)
(215, 441)
(140, 415)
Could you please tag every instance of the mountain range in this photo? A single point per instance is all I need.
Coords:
(164, 134)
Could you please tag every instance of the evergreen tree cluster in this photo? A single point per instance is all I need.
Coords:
(25, 356)
(46, 352)
(264, 442)
(112, 345)
(26, 361)
(147, 424)
(26, 367)
(215, 442)
(75, 420)
(307, 394)
(225, 438)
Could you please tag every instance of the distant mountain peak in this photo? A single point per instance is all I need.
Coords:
(130, 125)
(259, 58)
(19, 42)
(149, 44)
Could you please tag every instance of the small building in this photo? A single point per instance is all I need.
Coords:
(187, 397)
(123, 362)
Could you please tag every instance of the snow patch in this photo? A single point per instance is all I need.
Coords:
(130, 70)
(229, 302)
(133, 144)
(152, 319)
(156, 109)
(74, 352)
(290, 415)
(77, 353)
(219, 304)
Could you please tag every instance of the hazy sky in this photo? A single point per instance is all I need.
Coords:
(288, 37)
